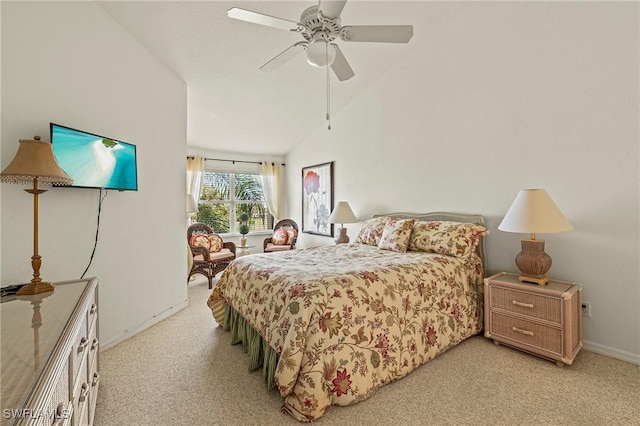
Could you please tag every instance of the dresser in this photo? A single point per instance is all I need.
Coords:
(50, 363)
(543, 320)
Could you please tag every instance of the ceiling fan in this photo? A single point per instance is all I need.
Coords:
(320, 26)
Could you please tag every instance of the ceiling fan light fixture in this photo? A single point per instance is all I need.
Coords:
(319, 54)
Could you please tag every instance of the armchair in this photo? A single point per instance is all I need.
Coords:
(210, 253)
(284, 237)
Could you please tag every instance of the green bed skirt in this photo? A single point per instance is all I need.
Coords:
(260, 353)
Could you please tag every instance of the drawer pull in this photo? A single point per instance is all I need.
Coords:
(521, 331)
(524, 305)
(96, 379)
(94, 344)
(93, 309)
(84, 391)
(83, 344)
(63, 413)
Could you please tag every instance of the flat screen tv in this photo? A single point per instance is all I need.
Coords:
(95, 161)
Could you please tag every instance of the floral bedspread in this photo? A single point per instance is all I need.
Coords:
(350, 318)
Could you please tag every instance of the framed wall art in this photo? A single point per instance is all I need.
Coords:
(317, 199)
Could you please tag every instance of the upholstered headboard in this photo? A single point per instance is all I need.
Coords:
(454, 217)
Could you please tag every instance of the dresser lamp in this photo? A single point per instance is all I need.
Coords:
(35, 163)
(342, 214)
(533, 212)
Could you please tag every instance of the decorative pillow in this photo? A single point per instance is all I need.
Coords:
(291, 234)
(279, 237)
(447, 238)
(215, 243)
(200, 240)
(371, 231)
(396, 235)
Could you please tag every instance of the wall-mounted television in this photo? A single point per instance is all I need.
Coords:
(95, 161)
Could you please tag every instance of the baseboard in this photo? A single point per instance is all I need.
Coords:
(612, 352)
(156, 319)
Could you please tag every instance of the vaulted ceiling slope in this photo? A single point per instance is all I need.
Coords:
(234, 106)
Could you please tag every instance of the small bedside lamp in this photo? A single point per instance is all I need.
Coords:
(34, 162)
(342, 214)
(533, 211)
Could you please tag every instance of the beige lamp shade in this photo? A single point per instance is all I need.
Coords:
(342, 214)
(35, 159)
(533, 212)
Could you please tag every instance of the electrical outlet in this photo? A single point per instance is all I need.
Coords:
(586, 309)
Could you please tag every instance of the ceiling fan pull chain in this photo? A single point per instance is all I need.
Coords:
(328, 86)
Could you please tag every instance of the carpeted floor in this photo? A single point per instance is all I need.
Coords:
(183, 371)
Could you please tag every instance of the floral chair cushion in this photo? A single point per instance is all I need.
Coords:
(291, 234)
(396, 235)
(371, 231)
(200, 240)
(279, 237)
(215, 243)
(446, 237)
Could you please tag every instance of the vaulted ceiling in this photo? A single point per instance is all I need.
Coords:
(234, 106)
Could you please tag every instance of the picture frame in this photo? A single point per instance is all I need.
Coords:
(317, 199)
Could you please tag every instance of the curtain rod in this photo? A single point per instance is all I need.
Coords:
(231, 161)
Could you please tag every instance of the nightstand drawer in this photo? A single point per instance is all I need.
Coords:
(527, 332)
(529, 304)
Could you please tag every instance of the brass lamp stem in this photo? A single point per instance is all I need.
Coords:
(36, 286)
(533, 235)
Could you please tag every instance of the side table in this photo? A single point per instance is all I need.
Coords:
(244, 250)
(543, 320)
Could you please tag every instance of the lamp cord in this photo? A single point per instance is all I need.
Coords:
(95, 244)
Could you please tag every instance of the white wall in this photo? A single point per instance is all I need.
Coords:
(507, 96)
(70, 63)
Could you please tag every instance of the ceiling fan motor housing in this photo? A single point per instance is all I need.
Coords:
(317, 26)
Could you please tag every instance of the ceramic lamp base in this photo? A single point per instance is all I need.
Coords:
(342, 238)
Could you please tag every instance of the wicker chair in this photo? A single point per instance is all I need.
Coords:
(268, 245)
(204, 262)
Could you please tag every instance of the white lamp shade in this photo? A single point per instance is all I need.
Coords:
(533, 211)
(192, 206)
(342, 214)
(320, 54)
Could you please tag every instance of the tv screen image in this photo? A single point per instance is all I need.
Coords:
(95, 161)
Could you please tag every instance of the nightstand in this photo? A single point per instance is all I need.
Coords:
(543, 320)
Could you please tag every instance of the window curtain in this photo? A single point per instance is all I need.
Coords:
(271, 183)
(195, 172)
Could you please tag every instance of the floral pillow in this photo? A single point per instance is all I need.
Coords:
(279, 237)
(200, 240)
(447, 238)
(291, 234)
(215, 243)
(371, 231)
(396, 235)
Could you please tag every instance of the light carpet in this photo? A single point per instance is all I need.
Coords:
(184, 371)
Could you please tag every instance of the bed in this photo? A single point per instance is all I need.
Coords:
(330, 325)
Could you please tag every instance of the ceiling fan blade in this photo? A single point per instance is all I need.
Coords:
(378, 33)
(340, 66)
(262, 19)
(331, 8)
(284, 56)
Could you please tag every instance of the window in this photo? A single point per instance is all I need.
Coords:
(226, 195)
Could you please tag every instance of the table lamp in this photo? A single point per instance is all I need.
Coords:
(342, 214)
(533, 211)
(34, 162)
